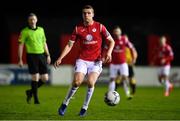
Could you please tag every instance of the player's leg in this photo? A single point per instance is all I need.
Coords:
(93, 74)
(37, 64)
(117, 81)
(132, 79)
(80, 72)
(124, 73)
(92, 77)
(33, 91)
(113, 74)
(160, 79)
(78, 79)
(168, 85)
(34, 87)
(133, 85)
(43, 70)
(161, 75)
(42, 80)
(126, 86)
(112, 84)
(33, 64)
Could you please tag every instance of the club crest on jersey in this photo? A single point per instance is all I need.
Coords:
(89, 37)
(94, 29)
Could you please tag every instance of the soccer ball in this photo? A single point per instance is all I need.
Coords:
(112, 98)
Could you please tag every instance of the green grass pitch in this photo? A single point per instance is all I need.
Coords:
(149, 103)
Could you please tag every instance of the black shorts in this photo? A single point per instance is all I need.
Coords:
(131, 71)
(37, 63)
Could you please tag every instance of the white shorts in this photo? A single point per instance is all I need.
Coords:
(86, 67)
(164, 70)
(115, 68)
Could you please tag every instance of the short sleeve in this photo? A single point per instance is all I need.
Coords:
(128, 43)
(22, 37)
(104, 31)
(170, 51)
(43, 35)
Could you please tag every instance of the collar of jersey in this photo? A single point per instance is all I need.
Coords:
(33, 29)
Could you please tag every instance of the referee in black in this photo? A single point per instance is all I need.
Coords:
(38, 56)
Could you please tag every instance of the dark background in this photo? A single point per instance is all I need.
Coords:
(138, 19)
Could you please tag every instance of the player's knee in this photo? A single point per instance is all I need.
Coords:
(77, 80)
(76, 83)
(124, 77)
(112, 79)
(132, 81)
(35, 77)
(44, 77)
(90, 85)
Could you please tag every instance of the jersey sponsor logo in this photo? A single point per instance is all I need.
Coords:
(89, 37)
(117, 49)
(94, 30)
(90, 42)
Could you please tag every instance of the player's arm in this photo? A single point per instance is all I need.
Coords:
(108, 56)
(132, 50)
(66, 50)
(110, 42)
(134, 55)
(169, 57)
(21, 41)
(170, 53)
(20, 54)
(46, 50)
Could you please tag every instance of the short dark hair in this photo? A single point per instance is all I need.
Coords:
(116, 27)
(32, 14)
(88, 7)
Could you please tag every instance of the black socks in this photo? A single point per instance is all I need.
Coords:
(34, 90)
(40, 83)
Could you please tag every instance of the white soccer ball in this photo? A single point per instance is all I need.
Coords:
(112, 98)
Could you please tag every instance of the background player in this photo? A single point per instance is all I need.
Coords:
(129, 60)
(89, 33)
(131, 77)
(33, 37)
(119, 60)
(163, 56)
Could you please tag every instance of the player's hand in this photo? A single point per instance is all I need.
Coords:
(20, 63)
(163, 61)
(108, 58)
(49, 59)
(57, 63)
(133, 62)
